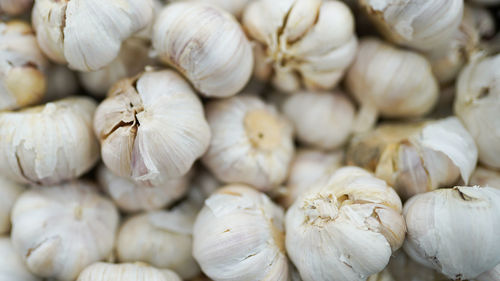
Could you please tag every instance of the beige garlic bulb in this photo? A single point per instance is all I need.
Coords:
(15, 7)
(344, 229)
(22, 81)
(59, 230)
(252, 143)
(50, 143)
(301, 42)
(9, 191)
(207, 45)
(151, 127)
(83, 36)
(492, 275)
(403, 268)
(322, 120)
(477, 104)
(101, 271)
(455, 230)
(12, 267)
(239, 235)
(485, 177)
(61, 83)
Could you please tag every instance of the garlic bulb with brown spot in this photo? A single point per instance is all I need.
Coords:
(101, 271)
(50, 143)
(301, 42)
(344, 229)
(239, 235)
(151, 127)
(207, 45)
(15, 7)
(59, 230)
(12, 267)
(9, 191)
(252, 143)
(485, 177)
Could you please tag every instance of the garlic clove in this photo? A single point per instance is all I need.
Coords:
(101, 271)
(12, 267)
(9, 191)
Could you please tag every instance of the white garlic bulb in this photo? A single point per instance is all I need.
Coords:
(403, 268)
(151, 127)
(59, 230)
(345, 229)
(252, 143)
(485, 177)
(477, 104)
(391, 82)
(455, 230)
(492, 275)
(322, 120)
(9, 191)
(239, 235)
(50, 143)
(301, 42)
(83, 36)
(15, 7)
(61, 83)
(101, 271)
(12, 267)
(22, 81)
(207, 45)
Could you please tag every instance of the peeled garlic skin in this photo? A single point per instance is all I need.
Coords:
(15, 7)
(207, 45)
(9, 191)
(455, 230)
(101, 271)
(12, 267)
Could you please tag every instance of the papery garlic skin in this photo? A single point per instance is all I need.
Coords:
(239, 235)
(492, 275)
(12, 267)
(87, 39)
(59, 230)
(15, 7)
(9, 191)
(301, 43)
(252, 143)
(485, 177)
(61, 83)
(101, 271)
(50, 143)
(151, 127)
(345, 229)
(455, 230)
(207, 45)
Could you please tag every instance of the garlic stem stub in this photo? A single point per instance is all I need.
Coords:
(12, 267)
(9, 191)
(101, 271)
(15, 7)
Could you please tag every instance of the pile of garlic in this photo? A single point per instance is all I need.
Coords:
(249, 140)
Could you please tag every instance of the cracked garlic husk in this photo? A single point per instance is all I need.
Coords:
(455, 231)
(492, 275)
(485, 177)
(12, 267)
(101, 271)
(15, 7)
(207, 45)
(403, 268)
(345, 229)
(50, 143)
(416, 157)
(59, 230)
(252, 143)
(22, 66)
(239, 235)
(301, 43)
(9, 191)
(151, 127)
(87, 39)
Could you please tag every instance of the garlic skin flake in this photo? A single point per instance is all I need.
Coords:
(59, 230)
(252, 143)
(15, 7)
(87, 39)
(455, 230)
(9, 191)
(207, 45)
(12, 267)
(239, 235)
(101, 271)
(301, 42)
(345, 229)
(50, 143)
(151, 127)
(485, 177)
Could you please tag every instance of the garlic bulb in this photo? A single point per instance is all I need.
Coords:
(84, 37)
(402, 268)
(50, 143)
(101, 271)
(9, 191)
(235, 7)
(12, 267)
(207, 45)
(455, 230)
(15, 7)
(301, 42)
(416, 157)
(239, 235)
(408, 22)
(22, 81)
(61, 83)
(477, 104)
(492, 275)
(252, 143)
(485, 177)
(131, 197)
(322, 120)
(59, 230)
(151, 127)
(345, 229)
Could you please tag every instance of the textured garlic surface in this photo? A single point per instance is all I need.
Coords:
(59, 230)
(151, 127)
(22, 81)
(15, 7)
(403, 268)
(12, 267)
(485, 177)
(61, 83)
(251, 142)
(9, 191)
(50, 143)
(101, 271)
(345, 229)
(455, 230)
(301, 42)
(76, 33)
(207, 45)
(239, 235)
